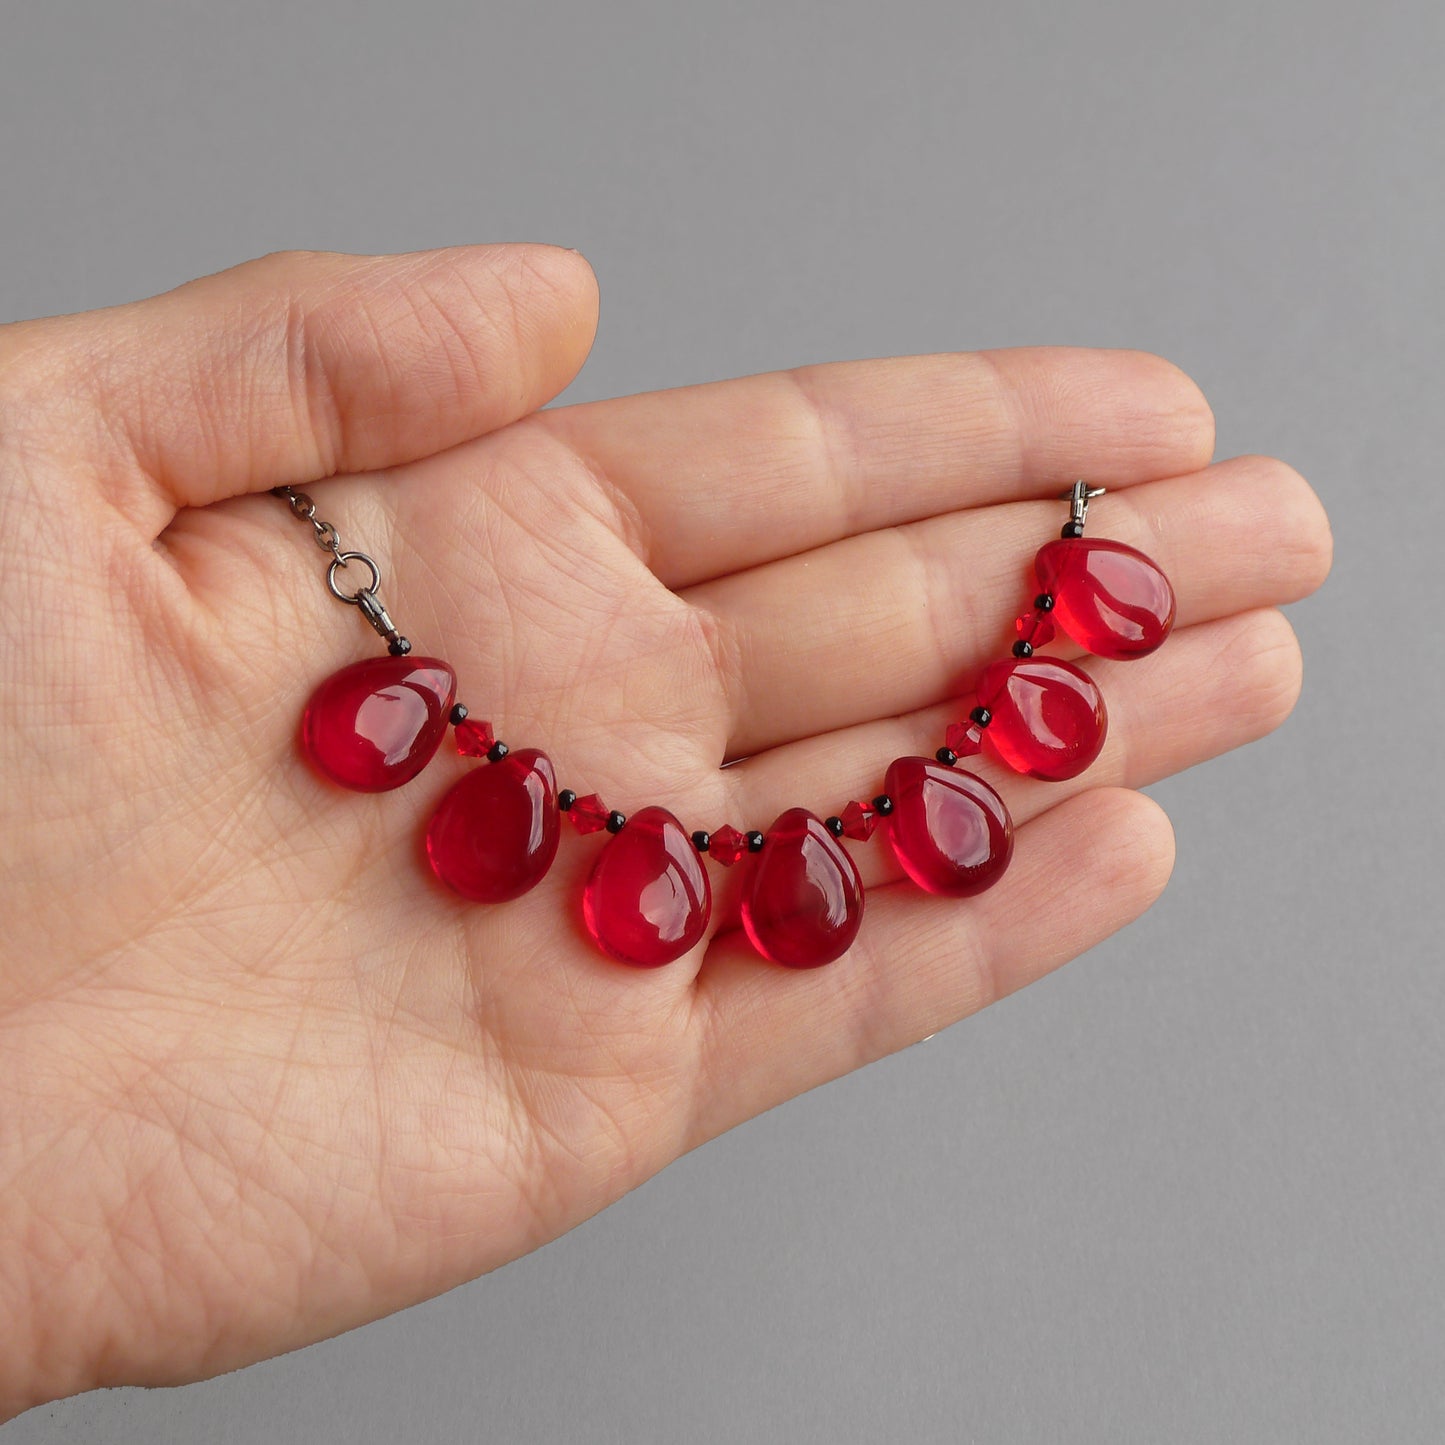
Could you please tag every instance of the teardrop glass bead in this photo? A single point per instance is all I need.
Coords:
(494, 833)
(647, 900)
(1111, 599)
(376, 724)
(1048, 716)
(951, 832)
(803, 900)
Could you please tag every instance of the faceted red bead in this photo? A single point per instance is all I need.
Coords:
(589, 814)
(474, 738)
(859, 820)
(727, 845)
(965, 739)
(494, 833)
(1048, 716)
(1035, 628)
(376, 724)
(950, 830)
(647, 900)
(1108, 597)
(803, 901)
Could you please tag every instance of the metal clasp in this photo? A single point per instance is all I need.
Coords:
(1078, 497)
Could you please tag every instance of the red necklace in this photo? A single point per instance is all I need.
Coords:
(377, 723)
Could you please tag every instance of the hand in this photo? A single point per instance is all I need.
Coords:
(264, 1079)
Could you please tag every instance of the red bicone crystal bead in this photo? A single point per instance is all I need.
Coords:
(1048, 716)
(859, 820)
(803, 901)
(950, 830)
(376, 724)
(494, 833)
(589, 814)
(647, 900)
(727, 845)
(474, 738)
(1108, 597)
(1035, 628)
(964, 739)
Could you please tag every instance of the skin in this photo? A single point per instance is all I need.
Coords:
(263, 1078)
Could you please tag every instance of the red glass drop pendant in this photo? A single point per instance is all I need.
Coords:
(376, 724)
(1048, 716)
(494, 833)
(647, 900)
(951, 832)
(1108, 597)
(803, 900)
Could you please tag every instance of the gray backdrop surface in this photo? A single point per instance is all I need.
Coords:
(1191, 1188)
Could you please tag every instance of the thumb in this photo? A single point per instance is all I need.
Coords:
(304, 364)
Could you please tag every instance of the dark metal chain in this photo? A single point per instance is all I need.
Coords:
(364, 597)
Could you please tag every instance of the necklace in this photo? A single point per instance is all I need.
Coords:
(375, 724)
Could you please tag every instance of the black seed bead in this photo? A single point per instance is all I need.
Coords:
(616, 821)
(1023, 649)
(946, 756)
(565, 799)
(982, 716)
(1072, 529)
(883, 805)
(834, 826)
(1044, 602)
(755, 841)
(497, 752)
(400, 647)
(702, 840)
(459, 714)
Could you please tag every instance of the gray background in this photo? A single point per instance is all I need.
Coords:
(1193, 1187)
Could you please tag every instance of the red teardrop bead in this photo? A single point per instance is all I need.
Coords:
(803, 900)
(1108, 597)
(949, 829)
(494, 833)
(647, 900)
(376, 724)
(1048, 716)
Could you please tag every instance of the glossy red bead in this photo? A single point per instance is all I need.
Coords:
(1111, 599)
(803, 899)
(1036, 628)
(964, 739)
(589, 814)
(951, 832)
(1048, 716)
(647, 900)
(727, 846)
(494, 833)
(474, 738)
(376, 724)
(859, 821)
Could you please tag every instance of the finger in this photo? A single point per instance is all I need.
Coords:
(1212, 687)
(732, 474)
(1079, 873)
(894, 620)
(301, 365)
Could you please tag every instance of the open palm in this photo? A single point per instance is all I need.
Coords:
(263, 1078)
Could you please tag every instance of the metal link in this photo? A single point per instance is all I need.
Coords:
(329, 540)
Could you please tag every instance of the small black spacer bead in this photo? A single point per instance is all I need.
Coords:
(1044, 602)
(616, 821)
(702, 840)
(755, 841)
(1023, 649)
(946, 756)
(497, 752)
(565, 799)
(982, 716)
(883, 805)
(1072, 529)
(459, 714)
(399, 647)
(834, 826)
